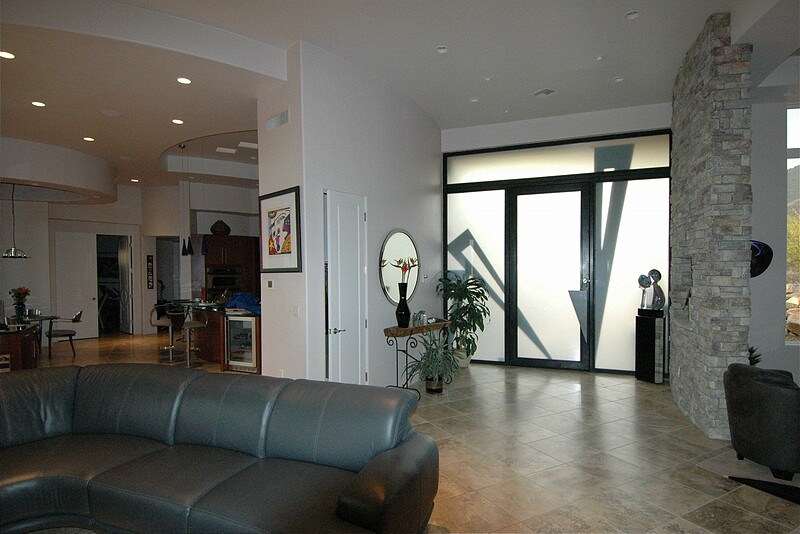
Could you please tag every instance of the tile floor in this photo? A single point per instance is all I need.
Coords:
(534, 450)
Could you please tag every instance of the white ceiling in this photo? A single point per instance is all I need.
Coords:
(499, 52)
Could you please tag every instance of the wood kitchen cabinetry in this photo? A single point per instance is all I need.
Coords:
(235, 252)
(20, 346)
(210, 341)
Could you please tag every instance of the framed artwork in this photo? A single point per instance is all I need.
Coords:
(280, 231)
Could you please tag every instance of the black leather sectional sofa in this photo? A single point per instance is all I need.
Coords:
(148, 448)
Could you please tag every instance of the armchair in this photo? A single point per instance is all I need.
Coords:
(764, 417)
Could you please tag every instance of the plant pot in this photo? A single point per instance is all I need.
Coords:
(434, 385)
(463, 359)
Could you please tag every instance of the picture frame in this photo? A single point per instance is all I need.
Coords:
(279, 215)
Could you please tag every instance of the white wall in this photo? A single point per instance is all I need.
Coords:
(768, 291)
(160, 216)
(593, 123)
(32, 237)
(280, 165)
(358, 136)
(123, 217)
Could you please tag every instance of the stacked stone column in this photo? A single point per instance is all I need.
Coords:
(711, 203)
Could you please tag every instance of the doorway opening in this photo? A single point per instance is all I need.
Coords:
(168, 268)
(114, 285)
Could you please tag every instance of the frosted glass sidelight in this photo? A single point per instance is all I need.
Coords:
(632, 237)
(548, 268)
(560, 160)
(476, 244)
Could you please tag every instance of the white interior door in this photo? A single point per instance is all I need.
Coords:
(345, 249)
(76, 280)
(125, 258)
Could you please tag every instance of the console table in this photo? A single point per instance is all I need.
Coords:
(393, 333)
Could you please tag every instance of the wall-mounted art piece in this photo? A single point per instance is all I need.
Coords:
(280, 231)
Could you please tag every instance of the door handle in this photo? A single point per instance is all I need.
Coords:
(336, 330)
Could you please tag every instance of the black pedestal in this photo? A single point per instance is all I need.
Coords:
(650, 343)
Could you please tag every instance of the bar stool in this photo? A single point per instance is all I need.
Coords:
(169, 320)
(190, 325)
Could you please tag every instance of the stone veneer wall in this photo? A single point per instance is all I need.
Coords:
(710, 217)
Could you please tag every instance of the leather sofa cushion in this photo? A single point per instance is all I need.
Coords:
(133, 399)
(338, 425)
(36, 404)
(154, 493)
(50, 476)
(228, 411)
(275, 496)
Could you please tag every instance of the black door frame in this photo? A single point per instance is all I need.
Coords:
(510, 188)
(586, 188)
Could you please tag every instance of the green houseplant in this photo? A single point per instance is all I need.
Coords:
(437, 364)
(467, 310)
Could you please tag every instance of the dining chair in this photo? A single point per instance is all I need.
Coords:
(59, 333)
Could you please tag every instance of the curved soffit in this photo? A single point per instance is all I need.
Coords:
(48, 173)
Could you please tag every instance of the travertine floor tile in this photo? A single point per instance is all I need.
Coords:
(470, 512)
(549, 450)
(765, 505)
(723, 518)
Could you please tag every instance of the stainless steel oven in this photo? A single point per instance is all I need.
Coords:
(218, 279)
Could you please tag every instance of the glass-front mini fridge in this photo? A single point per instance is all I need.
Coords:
(243, 344)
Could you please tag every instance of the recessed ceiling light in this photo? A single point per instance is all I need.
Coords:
(177, 121)
(632, 14)
(184, 81)
(38, 104)
(111, 113)
(225, 150)
(544, 93)
(473, 99)
(245, 144)
(135, 180)
(88, 139)
(441, 49)
(506, 111)
(618, 79)
(6, 55)
(599, 57)
(487, 78)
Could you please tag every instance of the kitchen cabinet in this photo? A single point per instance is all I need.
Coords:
(238, 252)
(210, 341)
(19, 346)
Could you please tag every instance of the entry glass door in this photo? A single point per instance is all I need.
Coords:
(549, 283)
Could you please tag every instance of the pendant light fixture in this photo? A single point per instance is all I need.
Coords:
(14, 252)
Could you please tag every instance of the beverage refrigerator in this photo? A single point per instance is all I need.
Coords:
(243, 344)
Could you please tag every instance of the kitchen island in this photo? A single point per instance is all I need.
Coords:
(231, 337)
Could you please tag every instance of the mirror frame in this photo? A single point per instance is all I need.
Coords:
(412, 289)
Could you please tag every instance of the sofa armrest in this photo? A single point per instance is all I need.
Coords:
(394, 492)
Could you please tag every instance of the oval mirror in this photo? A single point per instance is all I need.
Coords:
(398, 247)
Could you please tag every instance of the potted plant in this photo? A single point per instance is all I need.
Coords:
(437, 364)
(19, 295)
(467, 297)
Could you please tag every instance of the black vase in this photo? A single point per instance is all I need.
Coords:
(20, 310)
(402, 312)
